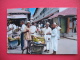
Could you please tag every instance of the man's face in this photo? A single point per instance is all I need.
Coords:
(28, 24)
(53, 26)
(47, 25)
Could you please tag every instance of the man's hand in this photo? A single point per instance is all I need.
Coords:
(48, 38)
(48, 34)
(27, 30)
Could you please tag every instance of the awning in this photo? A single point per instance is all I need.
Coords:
(16, 16)
(16, 11)
(9, 17)
(69, 11)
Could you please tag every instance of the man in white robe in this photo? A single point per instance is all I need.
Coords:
(58, 28)
(47, 36)
(33, 29)
(54, 38)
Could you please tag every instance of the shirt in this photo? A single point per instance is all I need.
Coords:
(46, 30)
(10, 33)
(23, 28)
(54, 33)
(33, 29)
(14, 26)
(27, 35)
(39, 25)
(17, 27)
(10, 26)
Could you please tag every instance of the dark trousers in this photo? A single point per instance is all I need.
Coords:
(22, 41)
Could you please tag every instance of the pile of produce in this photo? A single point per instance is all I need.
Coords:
(39, 40)
(12, 39)
(17, 38)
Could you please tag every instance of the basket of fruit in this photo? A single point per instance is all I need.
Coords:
(13, 42)
(40, 40)
(37, 45)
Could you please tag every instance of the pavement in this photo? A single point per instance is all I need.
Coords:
(65, 46)
(74, 37)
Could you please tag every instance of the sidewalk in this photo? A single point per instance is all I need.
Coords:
(74, 37)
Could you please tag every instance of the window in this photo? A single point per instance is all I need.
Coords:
(43, 11)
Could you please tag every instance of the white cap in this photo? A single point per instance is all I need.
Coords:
(55, 23)
(28, 21)
(47, 23)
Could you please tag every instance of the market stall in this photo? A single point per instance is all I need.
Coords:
(37, 45)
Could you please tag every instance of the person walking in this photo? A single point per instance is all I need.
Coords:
(54, 38)
(58, 28)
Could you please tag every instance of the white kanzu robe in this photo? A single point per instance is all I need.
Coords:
(58, 28)
(54, 39)
(47, 37)
(33, 30)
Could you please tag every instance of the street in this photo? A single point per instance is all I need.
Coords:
(57, 22)
(65, 46)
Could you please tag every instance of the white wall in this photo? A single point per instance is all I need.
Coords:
(62, 9)
(48, 12)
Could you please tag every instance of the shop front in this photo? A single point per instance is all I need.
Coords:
(68, 25)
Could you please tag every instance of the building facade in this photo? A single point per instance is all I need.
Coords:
(41, 15)
(44, 13)
(64, 17)
(16, 15)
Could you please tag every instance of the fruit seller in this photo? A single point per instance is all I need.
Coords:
(47, 36)
(27, 37)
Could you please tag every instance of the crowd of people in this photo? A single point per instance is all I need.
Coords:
(29, 30)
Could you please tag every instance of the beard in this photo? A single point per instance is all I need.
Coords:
(53, 28)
